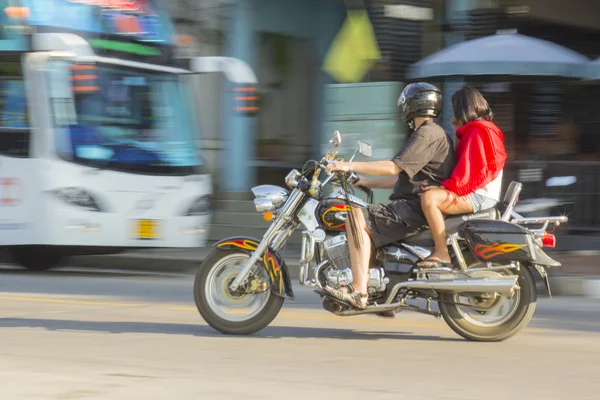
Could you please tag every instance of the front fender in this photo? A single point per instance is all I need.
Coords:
(279, 275)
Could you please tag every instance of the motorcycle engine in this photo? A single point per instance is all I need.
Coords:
(337, 252)
(335, 249)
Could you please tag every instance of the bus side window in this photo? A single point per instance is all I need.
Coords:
(14, 115)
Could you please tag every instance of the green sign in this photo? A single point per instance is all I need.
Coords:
(125, 47)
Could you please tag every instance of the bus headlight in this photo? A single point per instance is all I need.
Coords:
(201, 206)
(78, 197)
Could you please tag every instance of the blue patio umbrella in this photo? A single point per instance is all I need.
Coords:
(502, 55)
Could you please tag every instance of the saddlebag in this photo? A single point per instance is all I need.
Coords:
(498, 241)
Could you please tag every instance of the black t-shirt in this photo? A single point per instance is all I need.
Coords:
(426, 159)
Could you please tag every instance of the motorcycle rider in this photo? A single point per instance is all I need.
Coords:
(477, 178)
(426, 159)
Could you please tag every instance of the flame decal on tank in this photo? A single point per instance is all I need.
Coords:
(336, 208)
(486, 251)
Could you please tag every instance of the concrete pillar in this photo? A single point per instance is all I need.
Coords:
(239, 176)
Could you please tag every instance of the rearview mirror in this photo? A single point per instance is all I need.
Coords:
(365, 149)
(336, 139)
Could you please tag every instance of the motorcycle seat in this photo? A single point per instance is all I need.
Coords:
(453, 223)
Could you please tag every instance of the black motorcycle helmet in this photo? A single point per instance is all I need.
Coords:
(419, 100)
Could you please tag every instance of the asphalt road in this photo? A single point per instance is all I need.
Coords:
(104, 335)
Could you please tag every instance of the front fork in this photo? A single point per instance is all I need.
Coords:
(276, 235)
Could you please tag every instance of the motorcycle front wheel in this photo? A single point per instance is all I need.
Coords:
(242, 313)
(497, 317)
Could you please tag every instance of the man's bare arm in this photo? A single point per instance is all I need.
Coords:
(375, 168)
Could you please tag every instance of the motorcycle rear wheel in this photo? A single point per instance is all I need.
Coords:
(207, 287)
(517, 319)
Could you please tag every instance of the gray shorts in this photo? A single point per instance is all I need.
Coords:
(480, 203)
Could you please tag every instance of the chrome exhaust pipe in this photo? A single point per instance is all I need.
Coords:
(505, 285)
(502, 285)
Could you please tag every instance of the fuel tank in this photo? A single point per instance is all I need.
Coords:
(333, 213)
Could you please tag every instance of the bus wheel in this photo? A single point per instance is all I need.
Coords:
(36, 260)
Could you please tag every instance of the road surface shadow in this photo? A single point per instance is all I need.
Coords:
(271, 332)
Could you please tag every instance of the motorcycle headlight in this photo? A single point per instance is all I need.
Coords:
(263, 205)
(201, 206)
(78, 197)
(269, 197)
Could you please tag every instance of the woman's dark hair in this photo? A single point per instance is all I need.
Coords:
(470, 105)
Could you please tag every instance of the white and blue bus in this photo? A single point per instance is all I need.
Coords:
(98, 131)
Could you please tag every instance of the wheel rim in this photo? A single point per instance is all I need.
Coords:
(228, 306)
(498, 308)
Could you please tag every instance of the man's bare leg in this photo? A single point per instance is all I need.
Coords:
(360, 257)
(360, 264)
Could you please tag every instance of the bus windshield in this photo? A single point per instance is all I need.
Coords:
(123, 119)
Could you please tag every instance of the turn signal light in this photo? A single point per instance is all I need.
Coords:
(549, 240)
(268, 216)
(246, 100)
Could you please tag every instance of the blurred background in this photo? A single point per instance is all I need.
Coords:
(550, 121)
(534, 60)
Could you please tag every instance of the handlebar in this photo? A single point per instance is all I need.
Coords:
(351, 177)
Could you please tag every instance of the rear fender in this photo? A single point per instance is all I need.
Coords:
(279, 275)
(544, 275)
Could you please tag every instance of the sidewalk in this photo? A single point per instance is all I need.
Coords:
(579, 275)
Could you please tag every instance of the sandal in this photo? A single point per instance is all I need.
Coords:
(354, 299)
(432, 263)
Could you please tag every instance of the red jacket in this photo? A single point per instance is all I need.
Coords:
(481, 156)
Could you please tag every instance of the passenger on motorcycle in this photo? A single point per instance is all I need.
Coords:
(476, 181)
(427, 159)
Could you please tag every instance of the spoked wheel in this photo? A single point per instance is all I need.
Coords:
(492, 317)
(248, 310)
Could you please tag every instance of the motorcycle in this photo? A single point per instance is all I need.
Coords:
(489, 294)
